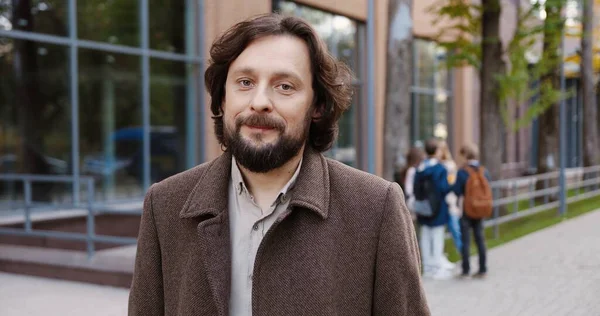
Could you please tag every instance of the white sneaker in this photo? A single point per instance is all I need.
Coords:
(443, 274)
(446, 264)
(429, 272)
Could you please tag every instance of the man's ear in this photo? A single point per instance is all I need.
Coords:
(317, 112)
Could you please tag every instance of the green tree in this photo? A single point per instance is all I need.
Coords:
(550, 92)
(474, 39)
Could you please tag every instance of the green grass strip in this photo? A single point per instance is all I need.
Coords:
(520, 227)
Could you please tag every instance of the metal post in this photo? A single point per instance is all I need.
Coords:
(547, 195)
(371, 85)
(563, 130)
(74, 85)
(91, 234)
(27, 187)
(579, 180)
(496, 215)
(515, 202)
(144, 40)
(531, 190)
(202, 103)
(190, 88)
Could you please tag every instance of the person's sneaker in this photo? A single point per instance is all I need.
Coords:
(463, 276)
(480, 275)
(446, 264)
(442, 274)
(428, 272)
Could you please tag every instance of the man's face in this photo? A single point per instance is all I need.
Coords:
(267, 109)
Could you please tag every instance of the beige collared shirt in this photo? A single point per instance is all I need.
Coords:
(248, 225)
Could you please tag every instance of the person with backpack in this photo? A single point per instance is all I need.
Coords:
(430, 188)
(473, 184)
(406, 175)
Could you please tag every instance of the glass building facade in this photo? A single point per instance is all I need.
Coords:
(104, 89)
(113, 91)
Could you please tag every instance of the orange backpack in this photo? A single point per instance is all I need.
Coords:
(478, 195)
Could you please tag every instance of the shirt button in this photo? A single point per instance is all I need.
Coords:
(255, 227)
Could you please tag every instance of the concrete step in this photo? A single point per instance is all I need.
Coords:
(113, 267)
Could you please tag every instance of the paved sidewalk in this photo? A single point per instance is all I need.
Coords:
(555, 271)
(552, 272)
(32, 296)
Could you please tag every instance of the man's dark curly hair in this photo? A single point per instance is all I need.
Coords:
(332, 79)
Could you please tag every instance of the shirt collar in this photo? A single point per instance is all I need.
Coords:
(212, 180)
(240, 186)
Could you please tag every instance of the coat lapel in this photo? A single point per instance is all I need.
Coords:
(311, 190)
(208, 202)
(215, 245)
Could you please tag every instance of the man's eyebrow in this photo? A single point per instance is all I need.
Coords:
(286, 74)
(244, 71)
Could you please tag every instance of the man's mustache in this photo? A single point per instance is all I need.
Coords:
(262, 120)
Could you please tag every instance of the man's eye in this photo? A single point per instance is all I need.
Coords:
(286, 87)
(245, 83)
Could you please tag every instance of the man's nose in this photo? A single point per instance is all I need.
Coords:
(261, 102)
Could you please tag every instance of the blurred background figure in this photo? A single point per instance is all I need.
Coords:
(405, 177)
(430, 189)
(452, 200)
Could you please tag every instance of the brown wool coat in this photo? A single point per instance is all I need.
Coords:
(345, 246)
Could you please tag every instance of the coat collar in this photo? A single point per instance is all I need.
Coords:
(210, 194)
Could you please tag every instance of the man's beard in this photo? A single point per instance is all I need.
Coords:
(266, 157)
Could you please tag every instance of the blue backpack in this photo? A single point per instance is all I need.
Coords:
(427, 202)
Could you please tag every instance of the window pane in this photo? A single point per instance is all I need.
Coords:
(425, 58)
(41, 16)
(115, 22)
(35, 116)
(338, 32)
(426, 116)
(344, 41)
(173, 26)
(315, 17)
(110, 122)
(440, 129)
(172, 99)
(430, 104)
(441, 72)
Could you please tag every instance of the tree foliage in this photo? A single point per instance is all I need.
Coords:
(518, 84)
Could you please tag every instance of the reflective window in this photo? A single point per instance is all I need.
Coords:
(341, 36)
(110, 122)
(35, 94)
(172, 25)
(114, 22)
(41, 16)
(430, 92)
(35, 117)
(172, 102)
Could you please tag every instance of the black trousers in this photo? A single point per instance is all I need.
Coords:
(466, 225)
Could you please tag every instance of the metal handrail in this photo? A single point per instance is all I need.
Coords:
(93, 209)
(40, 178)
(90, 206)
(529, 182)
